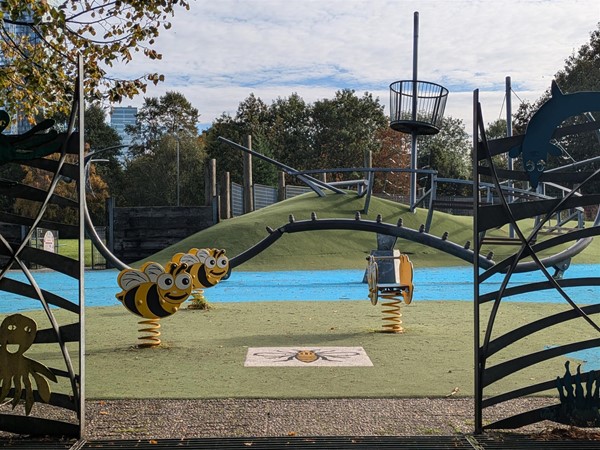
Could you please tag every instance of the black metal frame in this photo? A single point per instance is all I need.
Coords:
(488, 367)
(21, 255)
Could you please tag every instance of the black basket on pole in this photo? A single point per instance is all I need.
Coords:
(417, 106)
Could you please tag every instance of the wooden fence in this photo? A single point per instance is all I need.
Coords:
(136, 233)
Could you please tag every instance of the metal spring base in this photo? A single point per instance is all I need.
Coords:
(197, 300)
(393, 319)
(151, 327)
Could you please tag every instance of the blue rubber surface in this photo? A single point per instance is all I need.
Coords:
(445, 283)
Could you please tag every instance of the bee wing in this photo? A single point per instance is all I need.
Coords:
(202, 254)
(130, 278)
(336, 353)
(189, 259)
(275, 354)
(153, 270)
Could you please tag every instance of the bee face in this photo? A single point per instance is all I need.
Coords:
(216, 265)
(174, 289)
(207, 266)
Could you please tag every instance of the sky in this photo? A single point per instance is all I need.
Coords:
(219, 52)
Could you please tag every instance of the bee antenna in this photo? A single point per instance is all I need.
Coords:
(175, 268)
(172, 267)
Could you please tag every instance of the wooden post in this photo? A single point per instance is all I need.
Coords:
(207, 197)
(280, 186)
(248, 193)
(226, 196)
(212, 176)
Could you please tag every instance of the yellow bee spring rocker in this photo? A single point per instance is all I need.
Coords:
(400, 289)
(152, 293)
(207, 266)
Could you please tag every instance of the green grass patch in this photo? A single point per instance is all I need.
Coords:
(202, 353)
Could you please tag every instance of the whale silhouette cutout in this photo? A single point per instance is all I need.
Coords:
(537, 145)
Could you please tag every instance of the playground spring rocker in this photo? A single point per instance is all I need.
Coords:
(393, 292)
(154, 292)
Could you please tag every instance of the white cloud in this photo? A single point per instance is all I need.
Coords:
(219, 52)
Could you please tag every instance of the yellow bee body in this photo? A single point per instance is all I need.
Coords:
(207, 266)
(152, 292)
(307, 356)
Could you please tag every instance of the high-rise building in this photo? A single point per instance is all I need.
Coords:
(120, 117)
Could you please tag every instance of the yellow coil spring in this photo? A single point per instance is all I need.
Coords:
(151, 327)
(197, 299)
(393, 321)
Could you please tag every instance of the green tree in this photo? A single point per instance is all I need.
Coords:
(344, 130)
(252, 119)
(43, 63)
(171, 113)
(290, 129)
(497, 130)
(228, 159)
(448, 152)
(104, 139)
(164, 126)
(330, 133)
(151, 178)
(580, 73)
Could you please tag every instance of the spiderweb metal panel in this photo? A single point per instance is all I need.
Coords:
(499, 373)
(41, 335)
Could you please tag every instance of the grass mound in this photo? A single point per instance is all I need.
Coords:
(327, 250)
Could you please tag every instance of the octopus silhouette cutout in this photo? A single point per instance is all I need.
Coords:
(17, 333)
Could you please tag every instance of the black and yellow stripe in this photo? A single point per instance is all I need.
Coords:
(144, 301)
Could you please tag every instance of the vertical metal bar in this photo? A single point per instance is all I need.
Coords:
(413, 172)
(177, 148)
(248, 191)
(81, 196)
(477, 382)
(432, 198)
(415, 63)
(413, 153)
(511, 230)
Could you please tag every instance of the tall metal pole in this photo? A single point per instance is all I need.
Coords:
(81, 249)
(413, 153)
(511, 231)
(476, 319)
(177, 137)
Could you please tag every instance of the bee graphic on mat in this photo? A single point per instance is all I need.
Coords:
(307, 355)
(207, 266)
(153, 292)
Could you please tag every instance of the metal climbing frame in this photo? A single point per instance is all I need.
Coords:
(504, 357)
